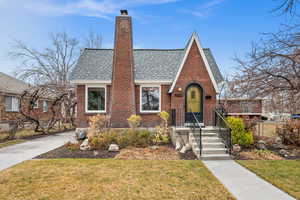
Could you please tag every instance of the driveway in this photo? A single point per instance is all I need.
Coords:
(17, 153)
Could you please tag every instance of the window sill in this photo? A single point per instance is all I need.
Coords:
(12, 111)
(95, 112)
(149, 112)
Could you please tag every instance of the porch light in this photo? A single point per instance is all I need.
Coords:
(179, 89)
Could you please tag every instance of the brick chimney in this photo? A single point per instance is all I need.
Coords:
(122, 94)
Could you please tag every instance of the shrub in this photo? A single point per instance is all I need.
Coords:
(161, 135)
(134, 121)
(290, 132)
(240, 135)
(103, 140)
(98, 124)
(136, 138)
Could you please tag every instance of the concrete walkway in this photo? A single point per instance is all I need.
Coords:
(242, 183)
(17, 153)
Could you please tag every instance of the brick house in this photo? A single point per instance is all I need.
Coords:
(123, 81)
(11, 90)
(244, 108)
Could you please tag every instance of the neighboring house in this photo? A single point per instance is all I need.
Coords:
(241, 107)
(123, 81)
(11, 90)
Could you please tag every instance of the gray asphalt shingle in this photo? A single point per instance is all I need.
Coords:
(149, 64)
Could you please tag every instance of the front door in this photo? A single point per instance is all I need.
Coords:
(194, 104)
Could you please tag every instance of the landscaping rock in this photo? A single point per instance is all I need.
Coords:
(183, 150)
(283, 152)
(188, 147)
(154, 147)
(278, 143)
(178, 145)
(113, 148)
(85, 145)
(80, 135)
(236, 148)
(95, 153)
(261, 145)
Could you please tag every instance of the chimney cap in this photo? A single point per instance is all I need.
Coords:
(124, 12)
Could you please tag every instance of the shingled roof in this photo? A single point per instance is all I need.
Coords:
(12, 85)
(149, 64)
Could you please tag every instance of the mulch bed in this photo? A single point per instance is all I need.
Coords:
(65, 152)
(164, 152)
(252, 155)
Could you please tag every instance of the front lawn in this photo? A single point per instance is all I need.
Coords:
(110, 179)
(11, 142)
(285, 174)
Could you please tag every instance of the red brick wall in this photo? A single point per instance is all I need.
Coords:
(122, 96)
(194, 71)
(152, 119)
(82, 116)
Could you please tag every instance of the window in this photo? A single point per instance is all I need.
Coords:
(12, 104)
(245, 106)
(150, 99)
(36, 104)
(45, 106)
(96, 99)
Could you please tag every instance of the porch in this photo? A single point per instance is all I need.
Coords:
(207, 142)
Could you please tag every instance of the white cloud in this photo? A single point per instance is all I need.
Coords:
(203, 10)
(92, 8)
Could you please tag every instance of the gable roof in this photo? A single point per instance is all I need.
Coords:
(157, 65)
(209, 64)
(12, 85)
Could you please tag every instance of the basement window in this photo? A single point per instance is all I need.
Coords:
(12, 104)
(95, 98)
(150, 99)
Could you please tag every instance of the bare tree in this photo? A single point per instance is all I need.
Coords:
(287, 7)
(50, 65)
(272, 66)
(93, 40)
(62, 104)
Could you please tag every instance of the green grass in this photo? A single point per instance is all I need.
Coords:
(285, 174)
(93, 179)
(11, 142)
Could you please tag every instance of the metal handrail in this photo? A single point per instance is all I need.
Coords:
(224, 120)
(226, 138)
(200, 131)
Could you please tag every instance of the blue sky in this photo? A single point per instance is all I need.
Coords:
(226, 26)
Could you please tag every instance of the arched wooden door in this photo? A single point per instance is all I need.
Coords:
(194, 103)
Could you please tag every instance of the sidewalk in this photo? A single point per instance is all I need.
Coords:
(242, 183)
(17, 153)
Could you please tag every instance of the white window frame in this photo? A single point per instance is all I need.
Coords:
(36, 105)
(86, 98)
(141, 107)
(45, 101)
(12, 107)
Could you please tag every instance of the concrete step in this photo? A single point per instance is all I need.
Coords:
(215, 157)
(208, 134)
(213, 145)
(211, 139)
(214, 151)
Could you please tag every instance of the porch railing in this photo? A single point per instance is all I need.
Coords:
(224, 127)
(178, 117)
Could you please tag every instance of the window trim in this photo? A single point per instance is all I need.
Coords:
(141, 107)
(36, 106)
(86, 98)
(47, 102)
(12, 111)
